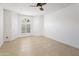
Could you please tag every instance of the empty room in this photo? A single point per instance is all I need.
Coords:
(39, 29)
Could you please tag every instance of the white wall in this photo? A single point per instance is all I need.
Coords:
(1, 26)
(15, 25)
(37, 25)
(10, 25)
(7, 24)
(63, 25)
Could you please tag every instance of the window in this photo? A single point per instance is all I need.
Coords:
(25, 26)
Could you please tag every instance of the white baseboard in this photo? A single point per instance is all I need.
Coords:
(10, 39)
(67, 43)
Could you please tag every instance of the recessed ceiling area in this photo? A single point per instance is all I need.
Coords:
(26, 9)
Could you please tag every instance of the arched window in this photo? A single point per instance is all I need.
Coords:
(25, 25)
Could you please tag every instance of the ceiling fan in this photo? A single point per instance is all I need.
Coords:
(39, 5)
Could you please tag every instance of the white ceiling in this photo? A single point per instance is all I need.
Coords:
(24, 8)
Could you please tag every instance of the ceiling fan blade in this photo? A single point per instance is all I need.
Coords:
(40, 4)
(43, 4)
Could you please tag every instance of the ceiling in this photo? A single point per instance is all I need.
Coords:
(26, 9)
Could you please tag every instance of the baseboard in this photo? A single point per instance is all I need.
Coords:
(10, 39)
(69, 44)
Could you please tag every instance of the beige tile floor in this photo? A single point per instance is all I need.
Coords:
(37, 46)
